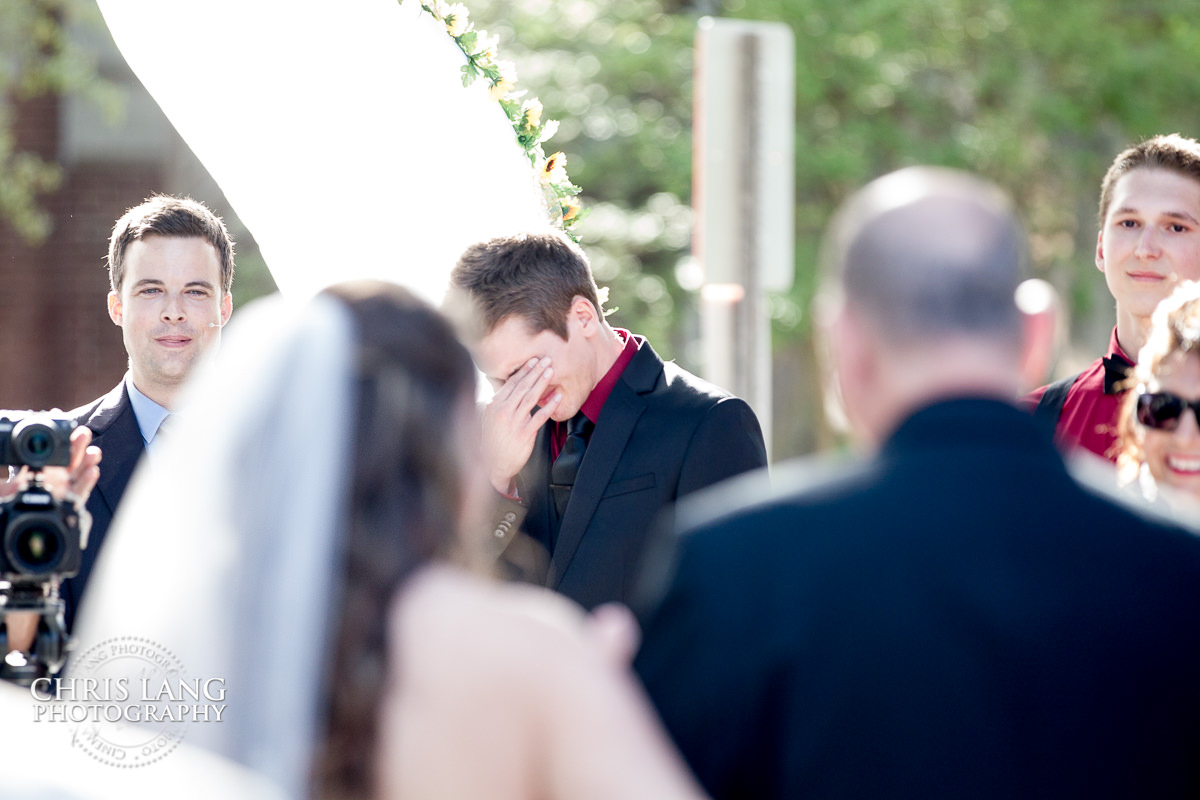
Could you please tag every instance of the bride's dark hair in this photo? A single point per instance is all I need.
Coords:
(404, 507)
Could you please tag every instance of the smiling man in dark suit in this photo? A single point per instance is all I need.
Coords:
(590, 434)
(956, 616)
(170, 265)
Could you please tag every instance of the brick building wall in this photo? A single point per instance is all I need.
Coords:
(57, 345)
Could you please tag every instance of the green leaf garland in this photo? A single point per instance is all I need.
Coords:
(532, 131)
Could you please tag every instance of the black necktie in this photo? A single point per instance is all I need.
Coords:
(566, 466)
(1116, 370)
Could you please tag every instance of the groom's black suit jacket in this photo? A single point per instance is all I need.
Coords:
(662, 434)
(115, 431)
(958, 617)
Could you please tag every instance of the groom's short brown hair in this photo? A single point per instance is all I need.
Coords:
(534, 276)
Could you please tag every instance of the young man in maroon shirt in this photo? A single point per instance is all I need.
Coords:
(1149, 241)
(637, 433)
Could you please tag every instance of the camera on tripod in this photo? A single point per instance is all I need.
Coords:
(41, 542)
(41, 536)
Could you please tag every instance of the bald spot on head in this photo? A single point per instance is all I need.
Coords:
(928, 253)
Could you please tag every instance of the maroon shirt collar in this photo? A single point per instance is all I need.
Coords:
(1114, 348)
(595, 401)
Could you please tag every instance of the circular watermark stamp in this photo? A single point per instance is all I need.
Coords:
(128, 701)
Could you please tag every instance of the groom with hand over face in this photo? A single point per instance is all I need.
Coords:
(589, 434)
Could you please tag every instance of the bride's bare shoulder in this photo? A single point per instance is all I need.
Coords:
(447, 613)
(538, 691)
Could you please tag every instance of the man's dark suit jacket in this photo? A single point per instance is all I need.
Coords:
(662, 434)
(115, 431)
(959, 617)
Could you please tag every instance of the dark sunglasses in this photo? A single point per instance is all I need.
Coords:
(1163, 410)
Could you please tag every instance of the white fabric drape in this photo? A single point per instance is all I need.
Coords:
(339, 131)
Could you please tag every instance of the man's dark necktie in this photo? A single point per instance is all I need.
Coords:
(566, 466)
(1116, 370)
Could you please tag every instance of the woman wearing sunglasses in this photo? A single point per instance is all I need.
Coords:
(1159, 424)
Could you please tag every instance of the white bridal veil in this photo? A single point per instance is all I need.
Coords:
(202, 638)
(220, 565)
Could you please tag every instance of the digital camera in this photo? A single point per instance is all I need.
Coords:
(35, 439)
(39, 536)
(41, 541)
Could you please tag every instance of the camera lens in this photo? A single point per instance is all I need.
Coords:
(34, 544)
(38, 547)
(34, 442)
(39, 443)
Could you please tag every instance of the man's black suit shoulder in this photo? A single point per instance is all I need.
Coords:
(956, 617)
(709, 433)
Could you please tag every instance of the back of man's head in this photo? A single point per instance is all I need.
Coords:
(928, 253)
(535, 276)
(918, 303)
(166, 215)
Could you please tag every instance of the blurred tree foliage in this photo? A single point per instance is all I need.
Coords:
(618, 77)
(1037, 96)
(39, 58)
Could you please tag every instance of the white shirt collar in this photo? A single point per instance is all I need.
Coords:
(149, 414)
